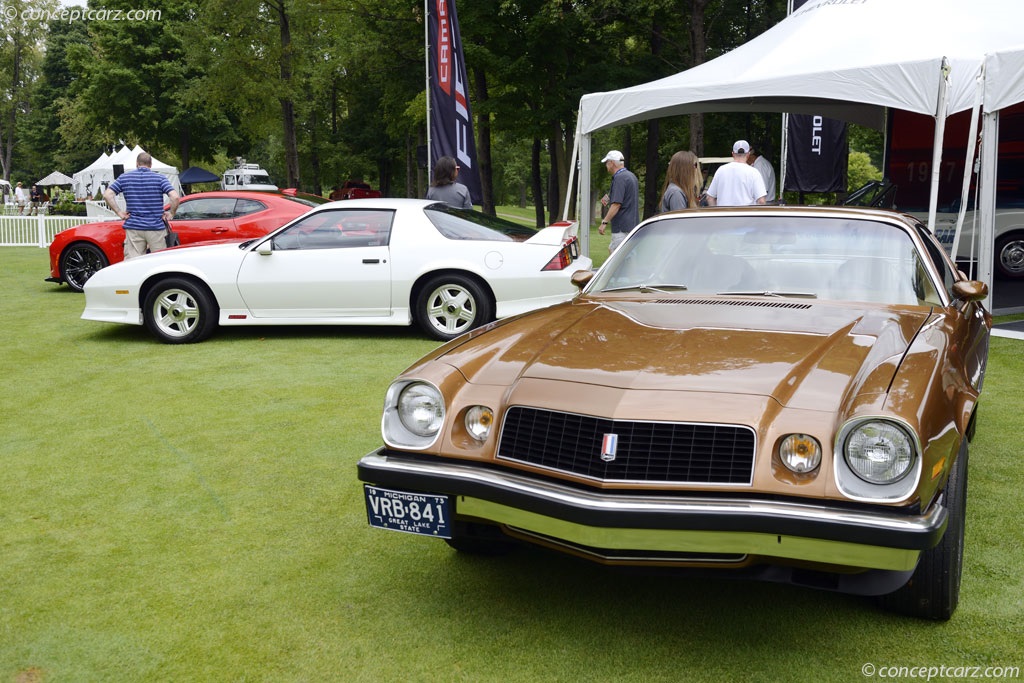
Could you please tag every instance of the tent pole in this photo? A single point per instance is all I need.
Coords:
(572, 174)
(972, 139)
(585, 205)
(940, 130)
(987, 199)
(784, 158)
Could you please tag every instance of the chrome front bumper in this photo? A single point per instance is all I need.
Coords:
(682, 523)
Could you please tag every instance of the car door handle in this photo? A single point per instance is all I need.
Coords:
(371, 260)
(219, 231)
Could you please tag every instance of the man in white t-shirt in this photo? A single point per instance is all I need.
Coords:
(736, 183)
(767, 171)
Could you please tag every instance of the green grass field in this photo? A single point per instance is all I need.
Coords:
(192, 513)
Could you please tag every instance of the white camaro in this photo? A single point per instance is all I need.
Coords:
(356, 262)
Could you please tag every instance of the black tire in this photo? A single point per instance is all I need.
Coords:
(180, 311)
(474, 538)
(934, 589)
(448, 305)
(1009, 256)
(79, 262)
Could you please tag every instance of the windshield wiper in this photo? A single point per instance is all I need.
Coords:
(804, 295)
(647, 289)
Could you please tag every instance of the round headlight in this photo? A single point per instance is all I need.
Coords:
(478, 422)
(421, 409)
(879, 452)
(800, 453)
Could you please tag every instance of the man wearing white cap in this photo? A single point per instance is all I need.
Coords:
(623, 200)
(736, 183)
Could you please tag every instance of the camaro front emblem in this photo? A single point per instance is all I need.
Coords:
(609, 447)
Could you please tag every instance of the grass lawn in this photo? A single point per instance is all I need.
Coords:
(192, 513)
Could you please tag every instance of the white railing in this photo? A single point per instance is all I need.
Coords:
(37, 231)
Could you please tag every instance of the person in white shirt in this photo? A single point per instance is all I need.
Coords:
(737, 183)
(21, 197)
(766, 170)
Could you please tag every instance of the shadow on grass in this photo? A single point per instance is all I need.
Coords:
(268, 333)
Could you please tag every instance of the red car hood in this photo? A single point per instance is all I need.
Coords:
(807, 355)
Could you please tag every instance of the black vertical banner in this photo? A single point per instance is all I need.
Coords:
(451, 122)
(817, 152)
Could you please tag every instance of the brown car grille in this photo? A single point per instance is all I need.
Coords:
(677, 452)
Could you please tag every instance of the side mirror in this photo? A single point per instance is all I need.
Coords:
(581, 278)
(266, 248)
(970, 290)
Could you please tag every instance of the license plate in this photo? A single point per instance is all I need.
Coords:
(414, 513)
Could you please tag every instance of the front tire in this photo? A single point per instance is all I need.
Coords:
(79, 262)
(934, 589)
(448, 305)
(179, 311)
(1010, 256)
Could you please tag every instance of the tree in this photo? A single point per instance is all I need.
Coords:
(42, 131)
(138, 83)
(22, 28)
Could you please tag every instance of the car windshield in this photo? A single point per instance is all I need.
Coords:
(465, 224)
(837, 258)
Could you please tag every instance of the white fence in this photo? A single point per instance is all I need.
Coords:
(36, 231)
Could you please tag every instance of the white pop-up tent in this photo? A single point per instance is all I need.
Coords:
(96, 176)
(849, 60)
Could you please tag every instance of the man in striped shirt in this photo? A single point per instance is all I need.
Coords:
(144, 191)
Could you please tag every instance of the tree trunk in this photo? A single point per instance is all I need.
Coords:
(538, 189)
(560, 171)
(291, 147)
(483, 146)
(652, 187)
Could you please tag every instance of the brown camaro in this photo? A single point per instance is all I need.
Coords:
(781, 393)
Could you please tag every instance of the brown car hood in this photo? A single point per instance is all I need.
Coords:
(804, 354)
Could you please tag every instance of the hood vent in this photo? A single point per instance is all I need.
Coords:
(733, 302)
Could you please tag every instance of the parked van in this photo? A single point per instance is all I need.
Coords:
(246, 177)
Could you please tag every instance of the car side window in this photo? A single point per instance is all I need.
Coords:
(938, 257)
(206, 209)
(337, 229)
(244, 207)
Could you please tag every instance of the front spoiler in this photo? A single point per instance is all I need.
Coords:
(682, 523)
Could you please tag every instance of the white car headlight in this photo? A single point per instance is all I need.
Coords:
(879, 452)
(413, 414)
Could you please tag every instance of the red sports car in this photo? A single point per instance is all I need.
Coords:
(78, 252)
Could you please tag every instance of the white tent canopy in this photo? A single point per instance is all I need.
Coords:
(95, 177)
(849, 60)
(846, 60)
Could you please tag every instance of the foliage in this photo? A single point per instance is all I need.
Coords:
(860, 170)
(63, 204)
(340, 85)
(21, 48)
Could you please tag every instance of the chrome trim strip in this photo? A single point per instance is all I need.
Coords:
(639, 503)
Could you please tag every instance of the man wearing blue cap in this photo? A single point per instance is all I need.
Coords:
(736, 183)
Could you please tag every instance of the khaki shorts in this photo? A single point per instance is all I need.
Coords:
(138, 242)
(617, 238)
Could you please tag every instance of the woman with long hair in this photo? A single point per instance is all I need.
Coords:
(682, 182)
(445, 188)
